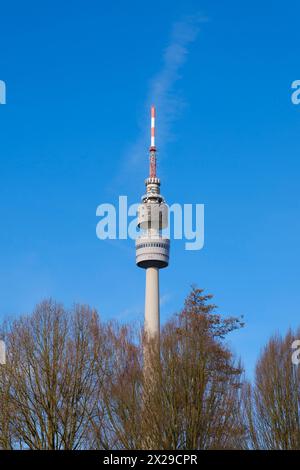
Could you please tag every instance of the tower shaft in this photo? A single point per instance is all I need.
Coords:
(152, 320)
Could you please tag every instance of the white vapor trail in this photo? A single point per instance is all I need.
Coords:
(161, 90)
(162, 93)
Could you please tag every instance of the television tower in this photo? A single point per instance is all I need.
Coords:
(152, 248)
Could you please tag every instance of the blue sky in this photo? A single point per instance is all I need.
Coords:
(74, 134)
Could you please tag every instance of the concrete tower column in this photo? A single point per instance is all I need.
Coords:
(152, 252)
(152, 304)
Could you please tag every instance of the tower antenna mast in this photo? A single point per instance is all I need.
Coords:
(152, 172)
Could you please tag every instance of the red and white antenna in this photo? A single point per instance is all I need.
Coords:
(152, 127)
(152, 146)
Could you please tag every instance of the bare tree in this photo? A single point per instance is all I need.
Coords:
(199, 382)
(272, 404)
(50, 377)
(194, 398)
(121, 394)
(7, 413)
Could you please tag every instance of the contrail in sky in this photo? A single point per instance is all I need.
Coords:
(161, 91)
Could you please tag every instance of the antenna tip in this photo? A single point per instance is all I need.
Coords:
(153, 111)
